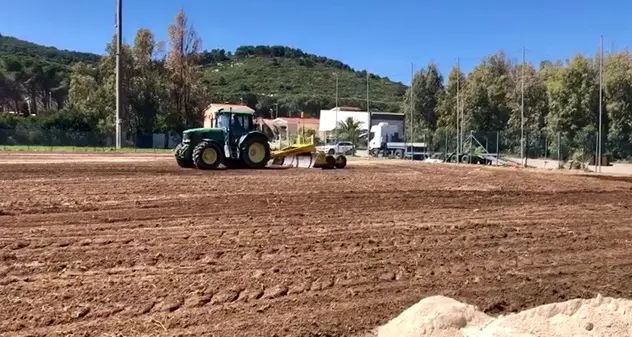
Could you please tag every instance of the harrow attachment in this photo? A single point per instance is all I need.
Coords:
(306, 156)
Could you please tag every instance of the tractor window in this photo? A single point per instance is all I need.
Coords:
(222, 121)
(246, 122)
(243, 121)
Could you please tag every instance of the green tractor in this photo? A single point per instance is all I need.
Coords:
(233, 141)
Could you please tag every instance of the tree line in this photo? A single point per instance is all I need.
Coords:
(561, 102)
(166, 88)
(162, 86)
(166, 85)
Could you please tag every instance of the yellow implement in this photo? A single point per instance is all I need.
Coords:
(303, 154)
(306, 156)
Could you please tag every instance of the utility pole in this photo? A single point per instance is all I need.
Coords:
(600, 103)
(337, 107)
(412, 107)
(522, 154)
(119, 80)
(458, 80)
(368, 109)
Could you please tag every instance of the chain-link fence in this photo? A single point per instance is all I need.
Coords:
(42, 139)
(550, 149)
(540, 148)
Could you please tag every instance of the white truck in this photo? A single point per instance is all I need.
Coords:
(379, 143)
(342, 147)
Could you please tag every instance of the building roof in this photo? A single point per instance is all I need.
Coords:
(227, 107)
(387, 113)
(294, 120)
(345, 108)
(285, 121)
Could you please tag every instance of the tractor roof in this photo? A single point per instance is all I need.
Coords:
(226, 108)
(235, 112)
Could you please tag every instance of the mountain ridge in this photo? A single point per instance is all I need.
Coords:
(264, 77)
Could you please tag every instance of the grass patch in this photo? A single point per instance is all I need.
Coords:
(86, 149)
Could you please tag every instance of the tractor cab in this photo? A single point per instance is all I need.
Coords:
(235, 123)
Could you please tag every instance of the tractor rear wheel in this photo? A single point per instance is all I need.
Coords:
(256, 153)
(207, 156)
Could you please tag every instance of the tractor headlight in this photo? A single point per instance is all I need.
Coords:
(186, 138)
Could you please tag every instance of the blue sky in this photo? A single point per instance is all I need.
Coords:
(379, 35)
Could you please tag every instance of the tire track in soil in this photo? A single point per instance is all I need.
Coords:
(135, 252)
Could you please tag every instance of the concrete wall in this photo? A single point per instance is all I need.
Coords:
(159, 141)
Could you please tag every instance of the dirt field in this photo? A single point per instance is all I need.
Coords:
(147, 248)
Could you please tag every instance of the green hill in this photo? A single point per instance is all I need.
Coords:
(264, 75)
(266, 78)
(16, 47)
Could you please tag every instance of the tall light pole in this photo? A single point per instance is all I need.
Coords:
(337, 106)
(522, 154)
(412, 110)
(368, 109)
(600, 103)
(458, 89)
(119, 80)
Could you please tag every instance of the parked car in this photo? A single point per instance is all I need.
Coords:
(342, 147)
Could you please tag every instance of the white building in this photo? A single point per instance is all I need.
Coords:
(330, 118)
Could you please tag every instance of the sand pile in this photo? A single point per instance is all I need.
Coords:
(442, 317)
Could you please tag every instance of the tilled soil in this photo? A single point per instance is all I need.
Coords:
(127, 249)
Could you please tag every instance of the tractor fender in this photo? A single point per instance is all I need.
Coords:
(252, 134)
(208, 140)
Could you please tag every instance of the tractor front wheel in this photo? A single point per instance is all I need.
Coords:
(180, 155)
(207, 156)
(256, 153)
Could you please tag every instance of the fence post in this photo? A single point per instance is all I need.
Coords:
(469, 159)
(497, 147)
(445, 149)
(596, 151)
(558, 150)
(526, 148)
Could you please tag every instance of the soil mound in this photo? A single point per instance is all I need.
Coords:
(441, 316)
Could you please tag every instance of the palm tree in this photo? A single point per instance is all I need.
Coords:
(349, 130)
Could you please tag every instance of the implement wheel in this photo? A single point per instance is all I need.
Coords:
(341, 162)
(278, 161)
(207, 156)
(330, 163)
(255, 153)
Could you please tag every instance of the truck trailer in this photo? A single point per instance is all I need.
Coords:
(381, 144)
